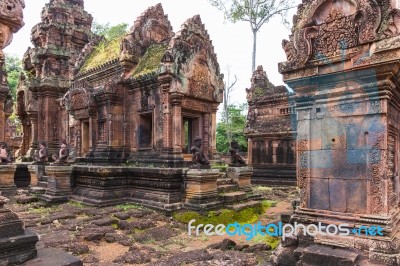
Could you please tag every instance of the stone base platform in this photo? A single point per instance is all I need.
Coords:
(201, 192)
(159, 188)
(59, 185)
(242, 176)
(18, 249)
(7, 184)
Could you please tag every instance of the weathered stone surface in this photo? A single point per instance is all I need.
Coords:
(52, 257)
(271, 128)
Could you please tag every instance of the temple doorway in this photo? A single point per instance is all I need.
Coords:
(191, 129)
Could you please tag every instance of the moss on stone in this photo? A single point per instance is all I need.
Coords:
(225, 216)
(105, 51)
(150, 61)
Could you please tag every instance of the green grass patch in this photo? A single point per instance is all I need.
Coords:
(263, 188)
(105, 51)
(130, 206)
(220, 167)
(269, 203)
(270, 240)
(225, 216)
(150, 61)
(76, 204)
(43, 210)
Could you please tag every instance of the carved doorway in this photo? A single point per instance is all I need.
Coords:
(191, 129)
(85, 137)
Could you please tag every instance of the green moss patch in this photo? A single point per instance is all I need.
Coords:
(150, 61)
(270, 240)
(248, 215)
(105, 51)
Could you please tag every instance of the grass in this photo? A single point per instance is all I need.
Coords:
(263, 188)
(130, 206)
(76, 204)
(270, 240)
(150, 61)
(269, 203)
(105, 51)
(248, 215)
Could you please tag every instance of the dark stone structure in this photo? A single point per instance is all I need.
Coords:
(343, 64)
(271, 131)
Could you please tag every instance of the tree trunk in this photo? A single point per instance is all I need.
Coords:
(253, 63)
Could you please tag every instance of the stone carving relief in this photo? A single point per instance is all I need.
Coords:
(303, 172)
(324, 28)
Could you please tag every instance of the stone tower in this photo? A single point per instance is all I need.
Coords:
(343, 64)
(59, 38)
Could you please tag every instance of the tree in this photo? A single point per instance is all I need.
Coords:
(255, 12)
(228, 88)
(236, 127)
(13, 68)
(109, 32)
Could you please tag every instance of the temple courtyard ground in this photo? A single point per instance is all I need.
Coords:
(132, 235)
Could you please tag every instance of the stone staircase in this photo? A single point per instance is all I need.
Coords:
(40, 187)
(232, 197)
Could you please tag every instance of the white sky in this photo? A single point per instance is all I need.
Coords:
(232, 42)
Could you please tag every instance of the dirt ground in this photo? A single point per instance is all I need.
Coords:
(132, 235)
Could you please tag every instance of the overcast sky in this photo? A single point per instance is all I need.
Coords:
(232, 42)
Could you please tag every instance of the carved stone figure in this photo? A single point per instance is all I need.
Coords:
(63, 153)
(41, 156)
(198, 157)
(236, 159)
(5, 156)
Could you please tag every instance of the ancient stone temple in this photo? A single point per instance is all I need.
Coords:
(150, 99)
(129, 108)
(343, 64)
(58, 40)
(271, 131)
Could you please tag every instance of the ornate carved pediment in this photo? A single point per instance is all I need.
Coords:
(323, 29)
(191, 58)
(151, 27)
(78, 98)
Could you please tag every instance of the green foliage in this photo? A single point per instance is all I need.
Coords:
(151, 60)
(234, 128)
(13, 68)
(225, 216)
(109, 48)
(109, 32)
(270, 240)
(130, 206)
(269, 203)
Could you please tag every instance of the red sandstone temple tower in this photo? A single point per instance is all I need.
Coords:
(147, 102)
(49, 66)
(271, 131)
(343, 64)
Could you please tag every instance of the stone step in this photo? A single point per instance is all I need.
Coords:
(37, 190)
(255, 197)
(233, 197)
(54, 257)
(227, 188)
(225, 181)
(325, 255)
(243, 205)
(42, 184)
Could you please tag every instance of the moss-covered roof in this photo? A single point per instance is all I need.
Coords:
(105, 51)
(151, 60)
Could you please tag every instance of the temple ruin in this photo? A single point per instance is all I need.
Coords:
(271, 132)
(342, 63)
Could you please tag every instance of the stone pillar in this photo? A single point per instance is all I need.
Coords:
(250, 151)
(59, 184)
(33, 145)
(241, 175)
(201, 189)
(213, 132)
(176, 100)
(7, 184)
